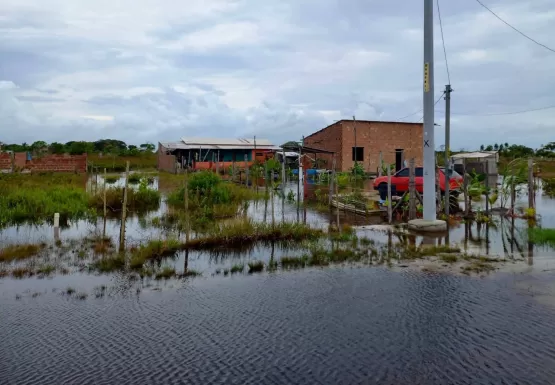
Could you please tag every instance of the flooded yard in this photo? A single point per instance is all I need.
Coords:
(371, 304)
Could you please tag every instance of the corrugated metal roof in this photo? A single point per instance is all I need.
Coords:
(475, 155)
(175, 145)
(240, 142)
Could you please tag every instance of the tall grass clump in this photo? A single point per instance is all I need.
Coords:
(542, 237)
(155, 249)
(18, 252)
(35, 204)
(240, 233)
(211, 197)
(142, 199)
(110, 264)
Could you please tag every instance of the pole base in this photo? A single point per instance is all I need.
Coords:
(424, 226)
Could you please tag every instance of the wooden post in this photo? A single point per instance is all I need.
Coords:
(332, 180)
(124, 210)
(186, 201)
(412, 190)
(247, 169)
(104, 227)
(513, 191)
(465, 189)
(337, 198)
(487, 186)
(233, 171)
(531, 190)
(389, 208)
(273, 213)
(283, 171)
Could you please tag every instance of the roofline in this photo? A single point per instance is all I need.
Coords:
(363, 121)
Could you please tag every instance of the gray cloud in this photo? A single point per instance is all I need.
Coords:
(272, 69)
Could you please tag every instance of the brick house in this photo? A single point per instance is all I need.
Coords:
(372, 137)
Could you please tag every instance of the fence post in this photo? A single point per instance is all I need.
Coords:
(487, 187)
(105, 212)
(389, 208)
(186, 201)
(531, 190)
(124, 210)
(412, 190)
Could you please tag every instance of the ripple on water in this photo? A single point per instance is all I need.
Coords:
(330, 326)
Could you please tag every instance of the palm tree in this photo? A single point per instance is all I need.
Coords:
(482, 147)
(496, 147)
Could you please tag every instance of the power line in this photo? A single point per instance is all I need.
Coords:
(515, 29)
(506, 113)
(420, 110)
(443, 41)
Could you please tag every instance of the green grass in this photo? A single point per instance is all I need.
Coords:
(38, 204)
(137, 200)
(449, 258)
(111, 179)
(118, 163)
(46, 270)
(155, 249)
(109, 264)
(190, 273)
(245, 232)
(256, 266)
(542, 237)
(18, 252)
(167, 272)
(237, 269)
(293, 262)
(134, 178)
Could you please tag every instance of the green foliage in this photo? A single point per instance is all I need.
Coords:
(540, 236)
(357, 170)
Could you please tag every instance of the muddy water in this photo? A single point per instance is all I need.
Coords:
(330, 326)
(337, 325)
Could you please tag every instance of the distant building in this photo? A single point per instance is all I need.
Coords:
(362, 141)
(209, 154)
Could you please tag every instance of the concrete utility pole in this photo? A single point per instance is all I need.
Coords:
(429, 147)
(429, 221)
(447, 165)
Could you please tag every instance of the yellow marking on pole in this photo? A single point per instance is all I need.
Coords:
(426, 77)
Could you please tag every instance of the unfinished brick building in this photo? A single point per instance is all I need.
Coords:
(363, 140)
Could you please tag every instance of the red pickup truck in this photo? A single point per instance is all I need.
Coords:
(400, 181)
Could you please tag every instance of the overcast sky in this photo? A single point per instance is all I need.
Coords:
(157, 70)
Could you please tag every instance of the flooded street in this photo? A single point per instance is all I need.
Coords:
(347, 323)
(330, 326)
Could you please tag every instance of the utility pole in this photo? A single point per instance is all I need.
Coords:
(447, 165)
(429, 199)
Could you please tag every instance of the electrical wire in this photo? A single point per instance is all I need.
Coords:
(515, 29)
(505, 113)
(437, 101)
(443, 41)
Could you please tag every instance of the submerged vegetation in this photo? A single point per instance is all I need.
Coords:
(15, 252)
(541, 236)
(244, 232)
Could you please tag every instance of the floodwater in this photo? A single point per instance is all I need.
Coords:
(335, 325)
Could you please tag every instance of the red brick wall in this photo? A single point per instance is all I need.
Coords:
(329, 139)
(373, 137)
(165, 162)
(58, 163)
(5, 162)
(20, 160)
